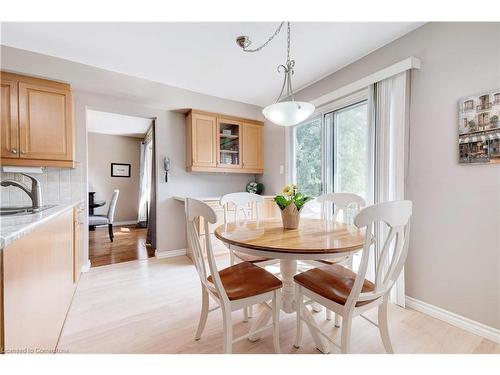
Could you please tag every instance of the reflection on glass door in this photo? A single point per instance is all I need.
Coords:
(307, 157)
(348, 150)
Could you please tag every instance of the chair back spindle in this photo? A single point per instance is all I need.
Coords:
(340, 202)
(196, 209)
(240, 202)
(389, 263)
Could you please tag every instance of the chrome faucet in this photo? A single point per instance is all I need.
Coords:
(35, 193)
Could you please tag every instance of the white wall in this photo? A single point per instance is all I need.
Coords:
(107, 91)
(454, 256)
(104, 149)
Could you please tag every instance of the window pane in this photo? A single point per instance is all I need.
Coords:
(351, 139)
(308, 157)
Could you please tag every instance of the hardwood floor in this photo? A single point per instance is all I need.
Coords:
(153, 306)
(129, 244)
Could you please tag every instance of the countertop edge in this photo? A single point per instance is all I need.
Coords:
(24, 229)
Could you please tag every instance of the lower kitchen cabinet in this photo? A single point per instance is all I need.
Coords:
(39, 280)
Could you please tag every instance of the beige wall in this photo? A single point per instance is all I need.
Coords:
(104, 149)
(454, 256)
(107, 91)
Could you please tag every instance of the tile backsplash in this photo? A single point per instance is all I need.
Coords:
(59, 185)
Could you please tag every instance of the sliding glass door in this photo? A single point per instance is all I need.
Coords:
(306, 170)
(333, 152)
(348, 149)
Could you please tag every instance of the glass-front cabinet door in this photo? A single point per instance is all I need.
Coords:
(229, 143)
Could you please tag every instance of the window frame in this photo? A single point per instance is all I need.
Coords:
(327, 142)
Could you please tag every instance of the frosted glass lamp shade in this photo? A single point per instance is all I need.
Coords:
(288, 113)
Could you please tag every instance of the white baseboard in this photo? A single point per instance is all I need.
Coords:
(456, 320)
(161, 254)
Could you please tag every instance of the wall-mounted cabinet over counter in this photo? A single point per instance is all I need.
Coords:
(222, 143)
(36, 122)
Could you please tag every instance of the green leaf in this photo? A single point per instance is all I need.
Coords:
(281, 201)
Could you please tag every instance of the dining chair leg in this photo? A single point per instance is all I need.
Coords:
(328, 314)
(337, 320)
(298, 304)
(110, 231)
(345, 344)
(245, 314)
(204, 313)
(228, 331)
(383, 325)
(276, 320)
(250, 311)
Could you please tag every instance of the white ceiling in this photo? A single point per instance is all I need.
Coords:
(203, 57)
(116, 124)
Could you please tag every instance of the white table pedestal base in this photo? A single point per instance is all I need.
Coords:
(288, 268)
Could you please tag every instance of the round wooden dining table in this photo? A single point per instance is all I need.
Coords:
(314, 239)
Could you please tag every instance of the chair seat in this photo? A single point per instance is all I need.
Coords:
(98, 220)
(250, 258)
(245, 280)
(332, 282)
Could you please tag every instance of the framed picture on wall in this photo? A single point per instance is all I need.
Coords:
(478, 128)
(120, 170)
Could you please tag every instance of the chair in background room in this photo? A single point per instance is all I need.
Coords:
(108, 218)
(349, 294)
(233, 288)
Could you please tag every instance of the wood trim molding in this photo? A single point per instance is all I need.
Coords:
(162, 254)
(221, 169)
(401, 66)
(225, 116)
(38, 163)
(456, 320)
(36, 81)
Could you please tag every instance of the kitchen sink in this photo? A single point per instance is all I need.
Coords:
(20, 211)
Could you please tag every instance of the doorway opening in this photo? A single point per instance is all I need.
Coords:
(121, 187)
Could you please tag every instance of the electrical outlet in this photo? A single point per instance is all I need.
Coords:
(282, 169)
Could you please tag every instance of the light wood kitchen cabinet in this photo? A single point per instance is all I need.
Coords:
(223, 143)
(252, 146)
(37, 130)
(201, 132)
(9, 119)
(38, 284)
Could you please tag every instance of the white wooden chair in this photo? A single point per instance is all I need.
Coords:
(232, 288)
(349, 294)
(332, 205)
(242, 202)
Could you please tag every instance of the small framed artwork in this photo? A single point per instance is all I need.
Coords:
(120, 170)
(478, 128)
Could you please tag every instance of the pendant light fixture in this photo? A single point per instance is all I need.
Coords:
(285, 111)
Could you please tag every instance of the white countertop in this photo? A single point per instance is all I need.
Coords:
(16, 226)
(209, 198)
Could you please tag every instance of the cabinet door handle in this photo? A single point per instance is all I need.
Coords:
(23, 152)
(14, 151)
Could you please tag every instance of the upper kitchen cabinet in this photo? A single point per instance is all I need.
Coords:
(222, 143)
(37, 123)
(252, 148)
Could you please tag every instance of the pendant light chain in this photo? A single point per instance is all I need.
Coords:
(268, 40)
(285, 111)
